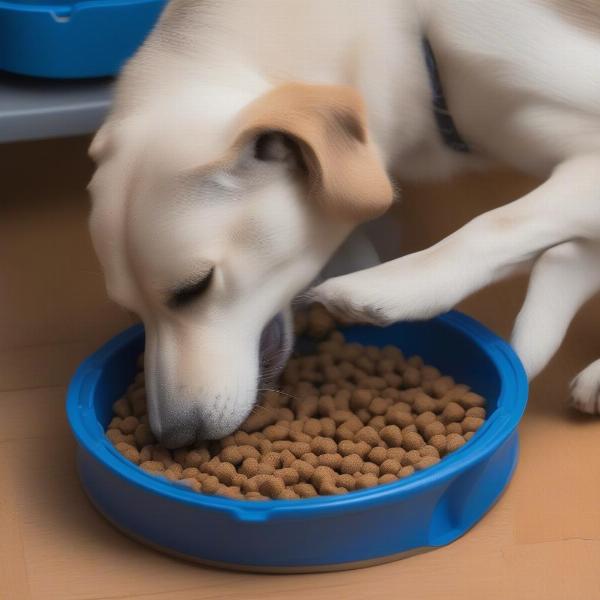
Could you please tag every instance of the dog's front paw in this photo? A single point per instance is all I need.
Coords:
(348, 300)
(585, 390)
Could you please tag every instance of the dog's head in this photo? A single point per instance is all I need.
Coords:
(210, 255)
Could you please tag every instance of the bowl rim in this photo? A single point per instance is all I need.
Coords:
(511, 403)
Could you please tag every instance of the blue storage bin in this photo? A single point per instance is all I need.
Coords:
(67, 39)
(427, 510)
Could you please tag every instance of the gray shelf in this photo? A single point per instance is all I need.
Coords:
(33, 109)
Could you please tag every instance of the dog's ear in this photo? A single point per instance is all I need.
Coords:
(326, 126)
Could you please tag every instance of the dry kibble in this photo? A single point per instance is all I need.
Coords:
(391, 435)
(366, 481)
(348, 417)
(377, 423)
(351, 464)
(425, 419)
(225, 473)
(193, 484)
(369, 467)
(347, 481)
(387, 478)
(471, 400)
(476, 411)
(411, 377)
(377, 455)
(129, 452)
(231, 454)
(362, 449)
(412, 457)
(406, 471)
(305, 470)
(433, 428)
(275, 433)
(287, 458)
(471, 424)
(453, 413)
(121, 408)
(361, 399)
(312, 427)
(153, 466)
(323, 445)
(289, 476)
(327, 427)
(379, 405)
(344, 433)
(389, 466)
(272, 486)
(299, 448)
(424, 403)
(399, 417)
(412, 440)
(454, 441)
(368, 435)
(395, 454)
(427, 461)
(429, 450)
(128, 424)
(346, 447)
(331, 460)
(454, 428)
(439, 442)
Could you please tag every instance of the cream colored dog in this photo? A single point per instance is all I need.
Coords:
(249, 138)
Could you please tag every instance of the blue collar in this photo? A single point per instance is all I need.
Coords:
(445, 124)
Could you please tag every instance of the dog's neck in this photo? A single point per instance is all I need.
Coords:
(198, 72)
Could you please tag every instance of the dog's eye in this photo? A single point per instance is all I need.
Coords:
(190, 291)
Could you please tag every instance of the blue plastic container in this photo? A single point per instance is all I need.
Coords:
(425, 511)
(69, 39)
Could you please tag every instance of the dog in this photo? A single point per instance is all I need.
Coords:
(247, 140)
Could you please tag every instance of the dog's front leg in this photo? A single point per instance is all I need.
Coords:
(495, 244)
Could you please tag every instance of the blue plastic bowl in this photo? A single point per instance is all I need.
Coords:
(72, 38)
(425, 511)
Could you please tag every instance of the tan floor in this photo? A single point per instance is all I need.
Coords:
(541, 541)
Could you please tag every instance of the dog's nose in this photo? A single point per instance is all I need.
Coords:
(174, 423)
(174, 434)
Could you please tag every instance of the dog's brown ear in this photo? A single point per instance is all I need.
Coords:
(328, 125)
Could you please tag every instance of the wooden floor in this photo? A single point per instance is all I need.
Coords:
(542, 540)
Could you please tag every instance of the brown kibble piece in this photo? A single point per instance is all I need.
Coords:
(305, 490)
(454, 441)
(471, 400)
(439, 442)
(367, 434)
(351, 464)
(323, 445)
(121, 408)
(424, 403)
(231, 454)
(289, 476)
(369, 467)
(377, 455)
(453, 413)
(471, 424)
(412, 440)
(427, 461)
(366, 481)
(387, 478)
(152, 466)
(406, 471)
(454, 428)
(129, 452)
(433, 428)
(391, 435)
(389, 466)
(272, 486)
(360, 399)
